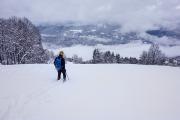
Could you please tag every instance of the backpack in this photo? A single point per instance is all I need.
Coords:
(57, 63)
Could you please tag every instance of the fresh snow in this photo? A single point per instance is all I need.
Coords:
(93, 92)
(76, 31)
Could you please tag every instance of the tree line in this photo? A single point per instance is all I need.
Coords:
(20, 42)
(153, 56)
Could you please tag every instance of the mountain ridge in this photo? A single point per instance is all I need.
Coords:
(106, 34)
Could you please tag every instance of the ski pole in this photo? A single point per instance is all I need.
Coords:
(67, 75)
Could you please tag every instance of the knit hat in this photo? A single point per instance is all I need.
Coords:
(61, 53)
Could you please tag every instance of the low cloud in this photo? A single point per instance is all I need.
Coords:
(132, 15)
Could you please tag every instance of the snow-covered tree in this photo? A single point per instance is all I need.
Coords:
(76, 59)
(107, 57)
(97, 56)
(113, 58)
(153, 56)
(144, 58)
(118, 59)
(133, 60)
(20, 42)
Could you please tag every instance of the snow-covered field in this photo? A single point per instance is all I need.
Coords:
(94, 92)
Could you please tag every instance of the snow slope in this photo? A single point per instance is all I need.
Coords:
(94, 92)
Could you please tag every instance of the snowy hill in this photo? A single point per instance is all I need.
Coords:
(82, 39)
(103, 33)
(94, 92)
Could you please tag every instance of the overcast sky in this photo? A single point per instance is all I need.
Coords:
(131, 14)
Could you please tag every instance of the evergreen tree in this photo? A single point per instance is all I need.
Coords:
(118, 59)
(107, 57)
(113, 58)
(133, 60)
(97, 56)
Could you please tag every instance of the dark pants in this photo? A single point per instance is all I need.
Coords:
(63, 71)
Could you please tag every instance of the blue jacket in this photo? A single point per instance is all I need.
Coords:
(59, 63)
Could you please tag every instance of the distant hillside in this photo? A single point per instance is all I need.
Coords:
(67, 35)
(167, 33)
(106, 34)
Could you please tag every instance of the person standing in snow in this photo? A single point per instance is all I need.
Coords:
(59, 64)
